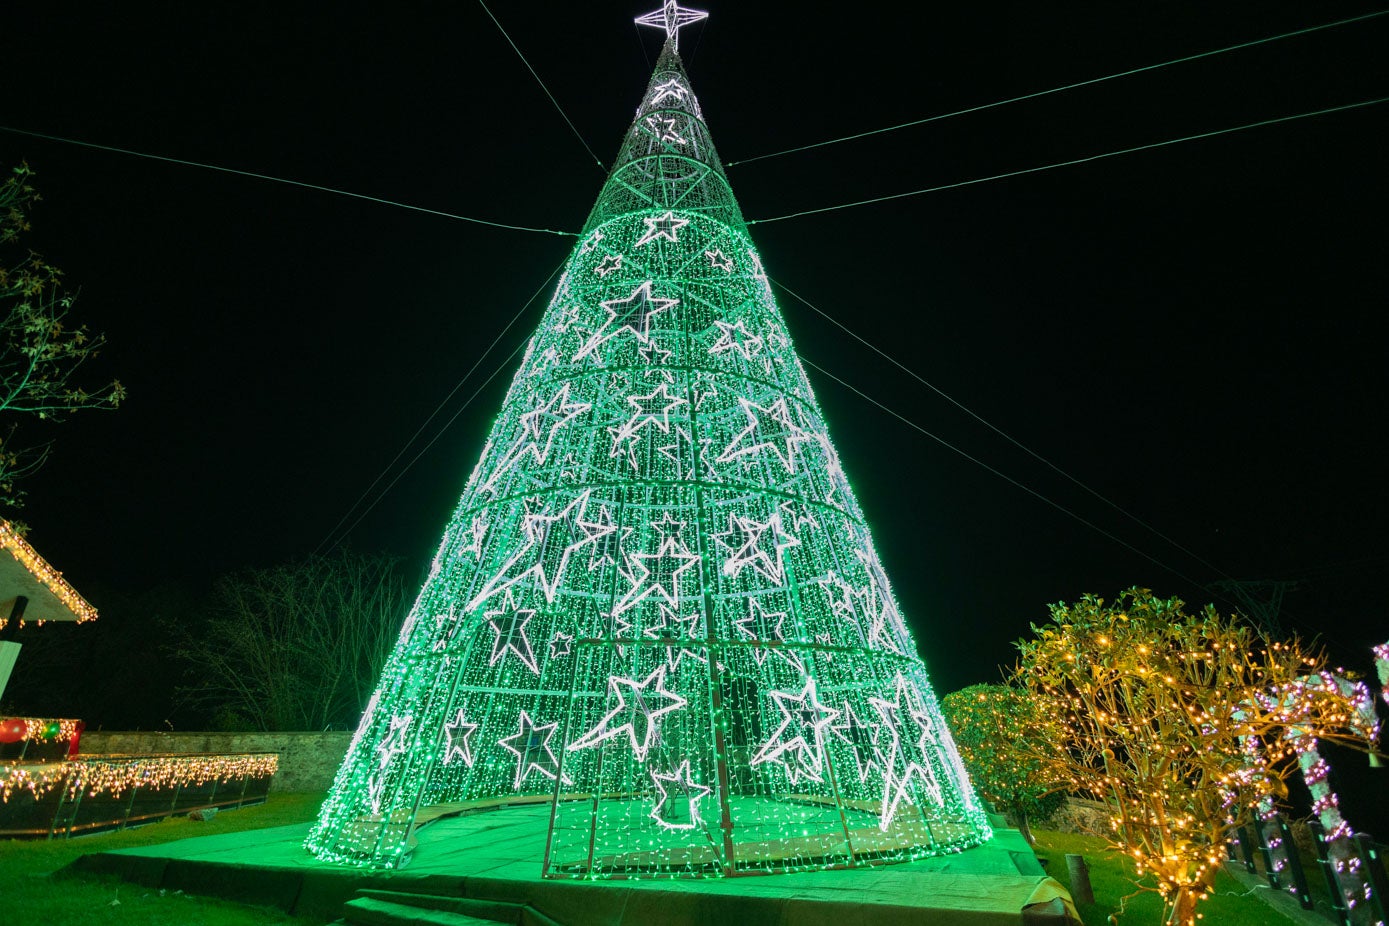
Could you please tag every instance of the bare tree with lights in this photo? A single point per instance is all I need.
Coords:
(41, 350)
(1178, 722)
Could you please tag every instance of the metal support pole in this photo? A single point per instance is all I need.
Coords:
(1295, 869)
(1328, 870)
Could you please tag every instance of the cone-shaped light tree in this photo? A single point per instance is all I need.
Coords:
(657, 606)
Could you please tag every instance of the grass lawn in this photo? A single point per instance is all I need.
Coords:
(1112, 877)
(33, 890)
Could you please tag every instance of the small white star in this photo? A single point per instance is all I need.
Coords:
(531, 744)
(680, 784)
(508, 623)
(736, 337)
(718, 261)
(460, 739)
(661, 226)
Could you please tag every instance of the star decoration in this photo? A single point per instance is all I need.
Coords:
(676, 629)
(655, 356)
(608, 546)
(661, 226)
(736, 337)
(749, 548)
(673, 789)
(770, 429)
(459, 734)
(508, 624)
(561, 645)
(671, 560)
(391, 745)
(551, 540)
(672, 17)
(801, 734)
(653, 409)
(668, 527)
(670, 88)
(568, 317)
(592, 242)
(640, 721)
(761, 627)
(531, 744)
(718, 261)
(862, 741)
(608, 264)
(631, 315)
(538, 430)
(757, 269)
(898, 715)
(885, 625)
(475, 532)
(840, 594)
(663, 127)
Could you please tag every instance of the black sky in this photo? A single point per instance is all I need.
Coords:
(1195, 332)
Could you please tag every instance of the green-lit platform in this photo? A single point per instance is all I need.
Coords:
(495, 856)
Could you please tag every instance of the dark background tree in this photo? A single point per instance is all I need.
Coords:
(293, 647)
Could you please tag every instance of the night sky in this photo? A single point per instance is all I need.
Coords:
(1194, 332)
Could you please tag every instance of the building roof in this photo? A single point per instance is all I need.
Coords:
(24, 572)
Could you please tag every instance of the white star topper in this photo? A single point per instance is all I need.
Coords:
(671, 17)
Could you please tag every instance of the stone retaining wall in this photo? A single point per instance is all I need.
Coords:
(308, 761)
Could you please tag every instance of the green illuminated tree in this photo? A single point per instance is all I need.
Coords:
(1002, 733)
(41, 351)
(1183, 724)
(658, 602)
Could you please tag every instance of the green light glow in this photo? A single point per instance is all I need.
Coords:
(658, 601)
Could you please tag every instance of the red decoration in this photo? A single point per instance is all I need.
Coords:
(12, 730)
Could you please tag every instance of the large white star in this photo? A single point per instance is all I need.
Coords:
(902, 712)
(551, 539)
(662, 226)
(531, 744)
(653, 410)
(770, 429)
(631, 315)
(671, 560)
(669, 88)
(640, 721)
(460, 739)
(801, 734)
(673, 789)
(749, 548)
(508, 624)
(538, 430)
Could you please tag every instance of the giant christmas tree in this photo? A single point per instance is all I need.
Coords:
(657, 605)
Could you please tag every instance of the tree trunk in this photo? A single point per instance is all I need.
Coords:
(1024, 828)
(1182, 911)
